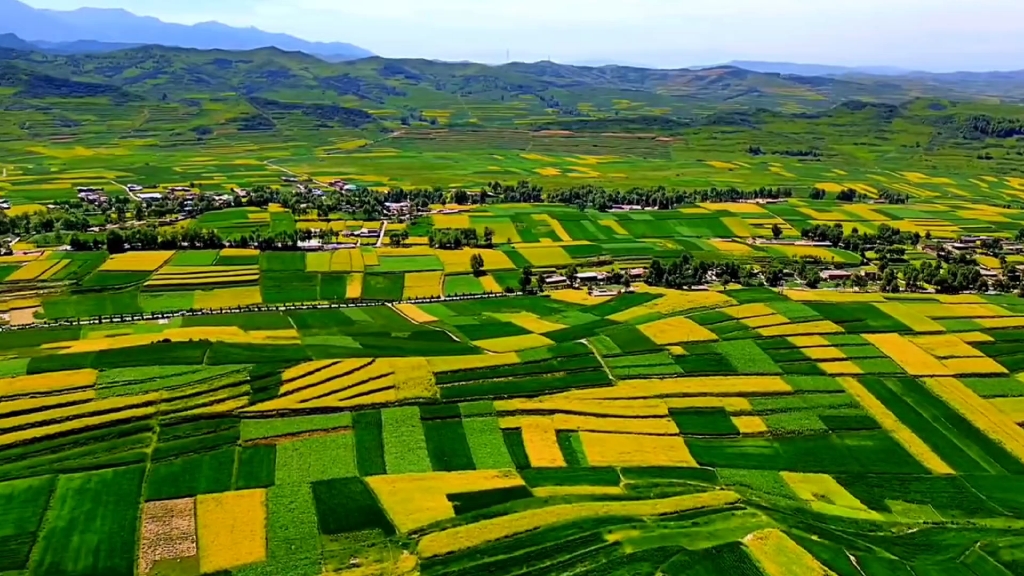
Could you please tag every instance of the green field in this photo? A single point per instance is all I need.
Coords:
(841, 437)
(214, 395)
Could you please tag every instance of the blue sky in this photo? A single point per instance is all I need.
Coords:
(940, 35)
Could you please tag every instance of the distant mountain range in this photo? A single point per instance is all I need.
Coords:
(95, 30)
(815, 69)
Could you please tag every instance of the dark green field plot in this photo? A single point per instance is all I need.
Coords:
(348, 505)
(22, 506)
(463, 284)
(283, 261)
(92, 524)
(704, 422)
(384, 287)
(286, 287)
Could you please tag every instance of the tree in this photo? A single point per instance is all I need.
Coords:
(776, 231)
(774, 275)
(476, 262)
(396, 239)
(570, 273)
(115, 242)
(488, 237)
(526, 280)
(859, 281)
(890, 281)
(912, 278)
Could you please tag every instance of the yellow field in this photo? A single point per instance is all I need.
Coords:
(1000, 322)
(822, 489)
(587, 423)
(833, 296)
(677, 330)
(765, 321)
(734, 207)
(624, 408)
(413, 378)
(232, 529)
(422, 285)
(556, 226)
(492, 530)
(943, 310)
(34, 270)
(544, 256)
(1012, 407)
(60, 265)
(75, 411)
(974, 366)
(455, 221)
(608, 449)
(819, 327)
(824, 353)
(946, 346)
(239, 252)
(733, 405)
(136, 261)
(354, 287)
(750, 424)
(909, 356)
(413, 501)
(808, 341)
(448, 363)
(983, 414)
(230, 334)
(673, 301)
(975, 337)
(334, 387)
(77, 424)
(35, 404)
(913, 318)
(730, 246)
(580, 297)
(490, 284)
(530, 322)
(897, 429)
(745, 311)
(42, 383)
(541, 442)
(615, 226)
(457, 261)
(551, 491)
(812, 251)
(739, 227)
(228, 297)
(20, 258)
(840, 368)
(347, 261)
(779, 555)
(186, 281)
(415, 313)
(728, 386)
(514, 343)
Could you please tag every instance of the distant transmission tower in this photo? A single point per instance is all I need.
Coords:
(508, 55)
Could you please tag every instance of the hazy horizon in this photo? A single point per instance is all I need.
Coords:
(934, 35)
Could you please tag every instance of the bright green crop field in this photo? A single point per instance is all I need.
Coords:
(400, 406)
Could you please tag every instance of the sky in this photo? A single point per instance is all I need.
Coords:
(935, 35)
